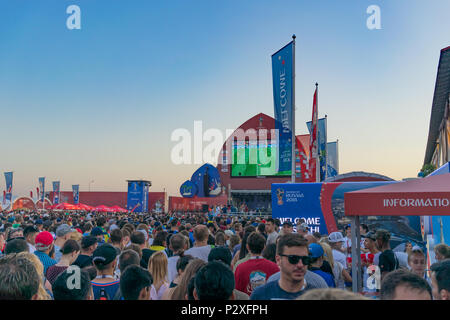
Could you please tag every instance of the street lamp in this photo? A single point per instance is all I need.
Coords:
(92, 181)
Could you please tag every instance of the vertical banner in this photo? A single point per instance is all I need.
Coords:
(76, 193)
(304, 165)
(56, 192)
(42, 188)
(332, 159)
(283, 93)
(322, 145)
(4, 197)
(313, 143)
(9, 184)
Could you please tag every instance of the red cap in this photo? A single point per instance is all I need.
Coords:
(44, 239)
(79, 230)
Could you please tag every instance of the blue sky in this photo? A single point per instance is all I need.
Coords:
(101, 103)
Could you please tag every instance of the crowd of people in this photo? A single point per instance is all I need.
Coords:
(202, 256)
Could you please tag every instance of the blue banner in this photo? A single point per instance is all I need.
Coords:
(9, 183)
(76, 193)
(137, 196)
(56, 191)
(283, 91)
(41, 188)
(332, 159)
(322, 145)
(188, 189)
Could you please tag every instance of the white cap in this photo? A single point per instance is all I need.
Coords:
(335, 237)
(229, 233)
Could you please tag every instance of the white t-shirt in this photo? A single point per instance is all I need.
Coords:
(340, 257)
(402, 259)
(172, 267)
(376, 259)
(31, 248)
(272, 238)
(337, 273)
(199, 252)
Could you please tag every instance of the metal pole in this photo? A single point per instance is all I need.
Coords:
(356, 255)
(294, 140)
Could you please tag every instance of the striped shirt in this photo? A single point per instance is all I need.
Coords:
(45, 259)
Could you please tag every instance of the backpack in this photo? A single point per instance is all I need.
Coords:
(103, 294)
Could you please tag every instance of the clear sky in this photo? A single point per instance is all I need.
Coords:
(101, 103)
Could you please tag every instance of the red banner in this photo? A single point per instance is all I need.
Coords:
(313, 145)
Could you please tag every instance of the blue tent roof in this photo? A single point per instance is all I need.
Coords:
(442, 170)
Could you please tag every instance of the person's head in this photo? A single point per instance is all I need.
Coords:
(182, 263)
(19, 279)
(211, 228)
(328, 253)
(128, 257)
(87, 227)
(116, 236)
(88, 245)
(363, 228)
(408, 247)
(442, 251)
(14, 233)
(270, 225)
(30, 233)
(214, 281)
(220, 254)
(63, 231)
(138, 238)
(247, 231)
(178, 243)
(42, 293)
(383, 237)
(270, 252)
(157, 266)
(440, 279)
(63, 289)
(404, 285)
(201, 233)
(316, 253)
(310, 238)
(135, 283)
(256, 243)
(98, 233)
(370, 240)
(71, 250)
(104, 258)
(44, 242)
(16, 245)
(261, 228)
(234, 241)
(336, 240)
(181, 290)
(348, 231)
(292, 257)
(302, 228)
(160, 239)
(330, 294)
(287, 227)
(136, 248)
(220, 239)
(417, 261)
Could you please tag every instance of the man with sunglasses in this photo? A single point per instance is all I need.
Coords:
(293, 258)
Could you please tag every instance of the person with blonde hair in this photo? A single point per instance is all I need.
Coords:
(181, 290)
(42, 294)
(340, 274)
(75, 235)
(442, 251)
(157, 266)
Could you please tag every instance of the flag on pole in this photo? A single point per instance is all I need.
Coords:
(76, 193)
(313, 143)
(283, 96)
(322, 145)
(56, 192)
(31, 194)
(4, 197)
(332, 159)
(9, 185)
(42, 188)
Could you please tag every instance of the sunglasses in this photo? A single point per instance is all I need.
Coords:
(294, 259)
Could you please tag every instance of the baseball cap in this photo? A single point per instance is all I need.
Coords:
(287, 223)
(39, 221)
(47, 223)
(11, 219)
(335, 237)
(303, 226)
(315, 250)
(370, 235)
(62, 230)
(97, 231)
(229, 233)
(43, 240)
(104, 254)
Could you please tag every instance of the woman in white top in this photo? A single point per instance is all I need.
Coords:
(157, 266)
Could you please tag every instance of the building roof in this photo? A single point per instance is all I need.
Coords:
(441, 93)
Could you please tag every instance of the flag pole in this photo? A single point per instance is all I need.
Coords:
(317, 135)
(294, 140)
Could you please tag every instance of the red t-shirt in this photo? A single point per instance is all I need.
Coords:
(253, 273)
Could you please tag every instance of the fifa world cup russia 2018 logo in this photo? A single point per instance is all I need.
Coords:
(280, 193)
